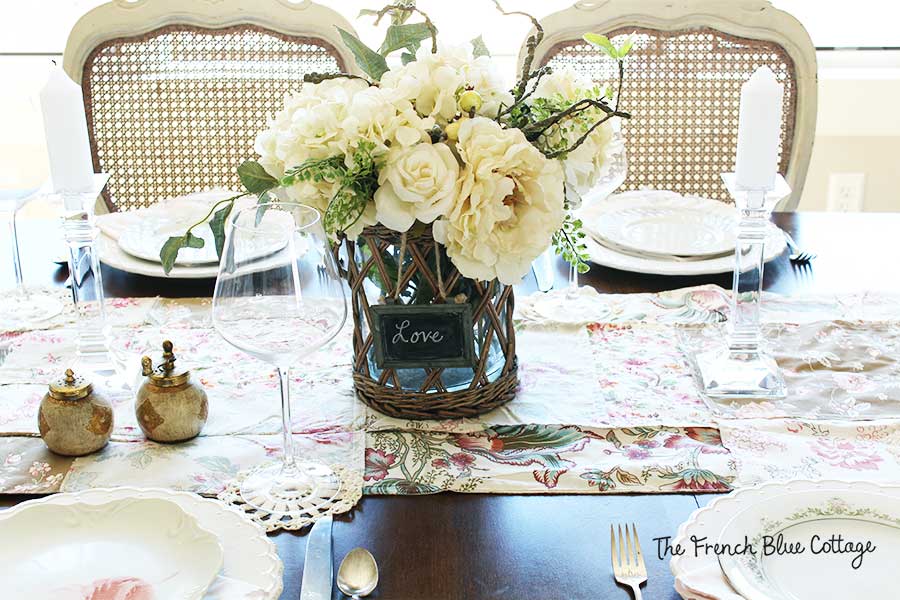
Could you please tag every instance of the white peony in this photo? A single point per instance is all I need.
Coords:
(511, 202)
(433, 81)
(585, 165)
(417, 182)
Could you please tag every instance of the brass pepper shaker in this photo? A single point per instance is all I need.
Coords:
(169, 407)
(73, 419)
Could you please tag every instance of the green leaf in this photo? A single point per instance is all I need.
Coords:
(370, 62)
(404, 36)
(255, 178)
(407, 57)
(626, 47)
(479, 48)
(169, 251)
(192, 241)
(217, 225)
(344, 210)
(367, 12)
(602, 42)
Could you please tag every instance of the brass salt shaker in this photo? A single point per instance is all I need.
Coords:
(73, 418)
(169, 407)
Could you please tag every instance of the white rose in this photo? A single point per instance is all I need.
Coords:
(510, 203)
(418, 182)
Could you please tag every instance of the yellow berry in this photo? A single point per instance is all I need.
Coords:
(452, 130)
(470, 100)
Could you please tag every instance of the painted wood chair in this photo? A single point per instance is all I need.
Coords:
(683, 80)
(176, 90)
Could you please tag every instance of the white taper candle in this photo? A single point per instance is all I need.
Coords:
(759, 128)
(65, 129)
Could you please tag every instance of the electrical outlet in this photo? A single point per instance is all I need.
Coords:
(846, 192)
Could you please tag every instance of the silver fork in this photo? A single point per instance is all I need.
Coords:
(628, 561)
(798, 255)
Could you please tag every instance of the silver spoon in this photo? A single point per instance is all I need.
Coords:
(358, 574)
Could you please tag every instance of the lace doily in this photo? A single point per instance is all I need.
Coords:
(339, 500)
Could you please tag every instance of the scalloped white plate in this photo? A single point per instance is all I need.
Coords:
(671, 230)
(699, 577)
(812, 519)
(250, 557)
(129, 547)
(593, 215)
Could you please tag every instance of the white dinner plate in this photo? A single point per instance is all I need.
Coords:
(145, 239)
(607, 257)
(818, 546)
(250, 557)
(670, 230)
(698, 574)
(129, 547)
(595, 214)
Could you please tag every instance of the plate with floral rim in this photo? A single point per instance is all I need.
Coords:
(251, 567)
(814, 544)
(698, 575)
(124, 548)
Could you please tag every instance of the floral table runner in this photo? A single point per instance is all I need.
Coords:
(608, 405)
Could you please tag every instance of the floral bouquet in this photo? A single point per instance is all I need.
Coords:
(438, 178)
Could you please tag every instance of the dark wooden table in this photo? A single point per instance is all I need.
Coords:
(543, 547)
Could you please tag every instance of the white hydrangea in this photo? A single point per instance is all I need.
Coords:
(433, 81)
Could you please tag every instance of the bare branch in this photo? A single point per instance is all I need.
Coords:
(531, 44)
(320, 77)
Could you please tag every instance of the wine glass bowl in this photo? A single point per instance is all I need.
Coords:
(279, 298)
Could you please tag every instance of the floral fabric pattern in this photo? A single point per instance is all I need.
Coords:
(608, 406)
(863, 451)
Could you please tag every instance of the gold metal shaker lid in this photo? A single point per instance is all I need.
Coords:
(166, 373)
(71, 387)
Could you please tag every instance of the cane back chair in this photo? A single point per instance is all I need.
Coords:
(175, 91)
(683, 80)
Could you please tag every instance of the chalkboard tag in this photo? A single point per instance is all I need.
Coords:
(429, 336)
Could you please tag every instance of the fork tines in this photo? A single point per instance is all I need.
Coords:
(627, 558)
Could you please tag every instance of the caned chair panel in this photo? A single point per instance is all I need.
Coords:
(682, 86)
(176, 108)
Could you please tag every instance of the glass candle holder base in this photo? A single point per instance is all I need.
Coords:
(731, 374)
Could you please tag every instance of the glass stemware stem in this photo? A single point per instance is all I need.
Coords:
(289, 464)
(572, 290)
(14, 241)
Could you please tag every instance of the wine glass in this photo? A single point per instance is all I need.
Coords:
(279, 298)
(22, 307)
(577, 303)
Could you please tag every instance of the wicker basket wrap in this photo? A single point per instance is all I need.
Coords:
(493, 309)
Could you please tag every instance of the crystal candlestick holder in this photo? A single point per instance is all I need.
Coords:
(740, 368)
(80, 232)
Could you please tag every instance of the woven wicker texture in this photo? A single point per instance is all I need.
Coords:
(493, 314)
(683, 90)
(176, 110)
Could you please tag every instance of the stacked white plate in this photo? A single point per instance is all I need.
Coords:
(134, 543)
(665, 233)
(131, 241)
(810, 540)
